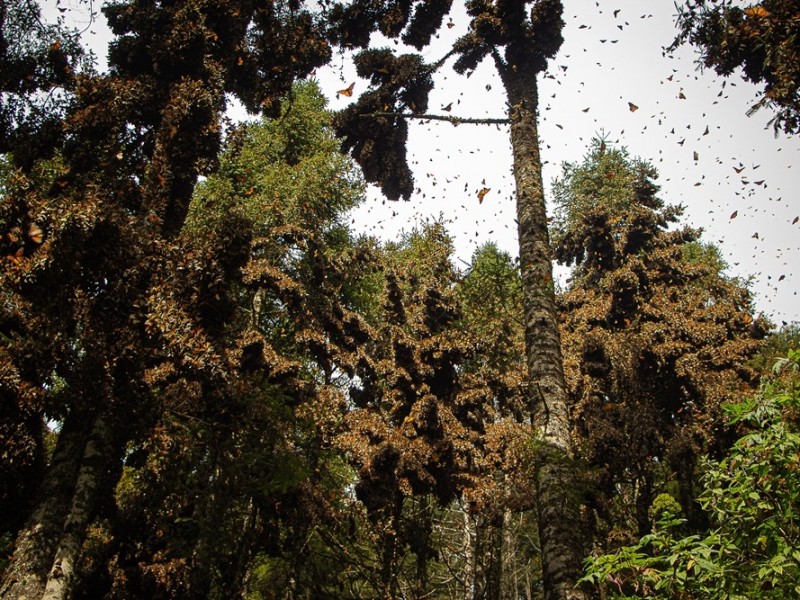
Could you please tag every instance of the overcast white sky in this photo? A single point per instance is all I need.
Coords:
(605, 63)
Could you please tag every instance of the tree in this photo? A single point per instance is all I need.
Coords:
(500, 507)
(777, 345)
(246, 454)
(519, 39)
(751, 498)
(39, 68)
(657, 337)
(761, 39)
(416, 418)
(88, 293)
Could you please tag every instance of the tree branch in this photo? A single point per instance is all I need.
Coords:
(448, 118)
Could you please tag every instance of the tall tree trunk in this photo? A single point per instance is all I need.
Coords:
(644, 498)
(36, 544)
(93, 465)
(494, 558)
(558, 504)
(422, 544)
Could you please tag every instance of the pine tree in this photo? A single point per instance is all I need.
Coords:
(657, 336)
(761, 39)
(88, 297)
(518, 39)
(236, 468)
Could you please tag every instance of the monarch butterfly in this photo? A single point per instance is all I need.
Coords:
(482, 193)
(348, 91)
(756, 11)
(35, 233)
(632, 107)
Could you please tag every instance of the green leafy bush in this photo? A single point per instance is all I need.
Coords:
(752, 498)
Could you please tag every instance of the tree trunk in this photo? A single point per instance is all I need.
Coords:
(469, 557)
(494, 559)
(558, 504)
(644, 498)
(36, 545)
(93, 465)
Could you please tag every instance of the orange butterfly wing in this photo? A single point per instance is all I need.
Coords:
(482, 194)
(756, 11)
(348, 91)
(35, 233)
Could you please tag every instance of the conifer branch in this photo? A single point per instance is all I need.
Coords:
(448, 118)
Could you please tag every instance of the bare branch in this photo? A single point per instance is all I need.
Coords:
(448, 118)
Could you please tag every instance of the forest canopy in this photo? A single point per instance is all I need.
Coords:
(214, 384)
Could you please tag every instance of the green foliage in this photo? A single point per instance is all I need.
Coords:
(491, 287)
(281, 171)
(777, 345)
(664, 509)
(704, 254)
(607, 177)
(608, 212)
(752, 498)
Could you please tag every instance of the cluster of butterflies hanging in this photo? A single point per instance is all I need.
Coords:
(22, 242)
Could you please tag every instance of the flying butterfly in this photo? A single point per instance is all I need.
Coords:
(348, 91)
(632, 107)
(482, 194)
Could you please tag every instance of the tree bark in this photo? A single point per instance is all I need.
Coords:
(558, 505)
(93, 464)
(470, 556)
(36, 544)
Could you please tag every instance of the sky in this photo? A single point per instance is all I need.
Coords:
(606, 62)
(613, 55)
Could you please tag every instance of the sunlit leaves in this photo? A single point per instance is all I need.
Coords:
(750, 496)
